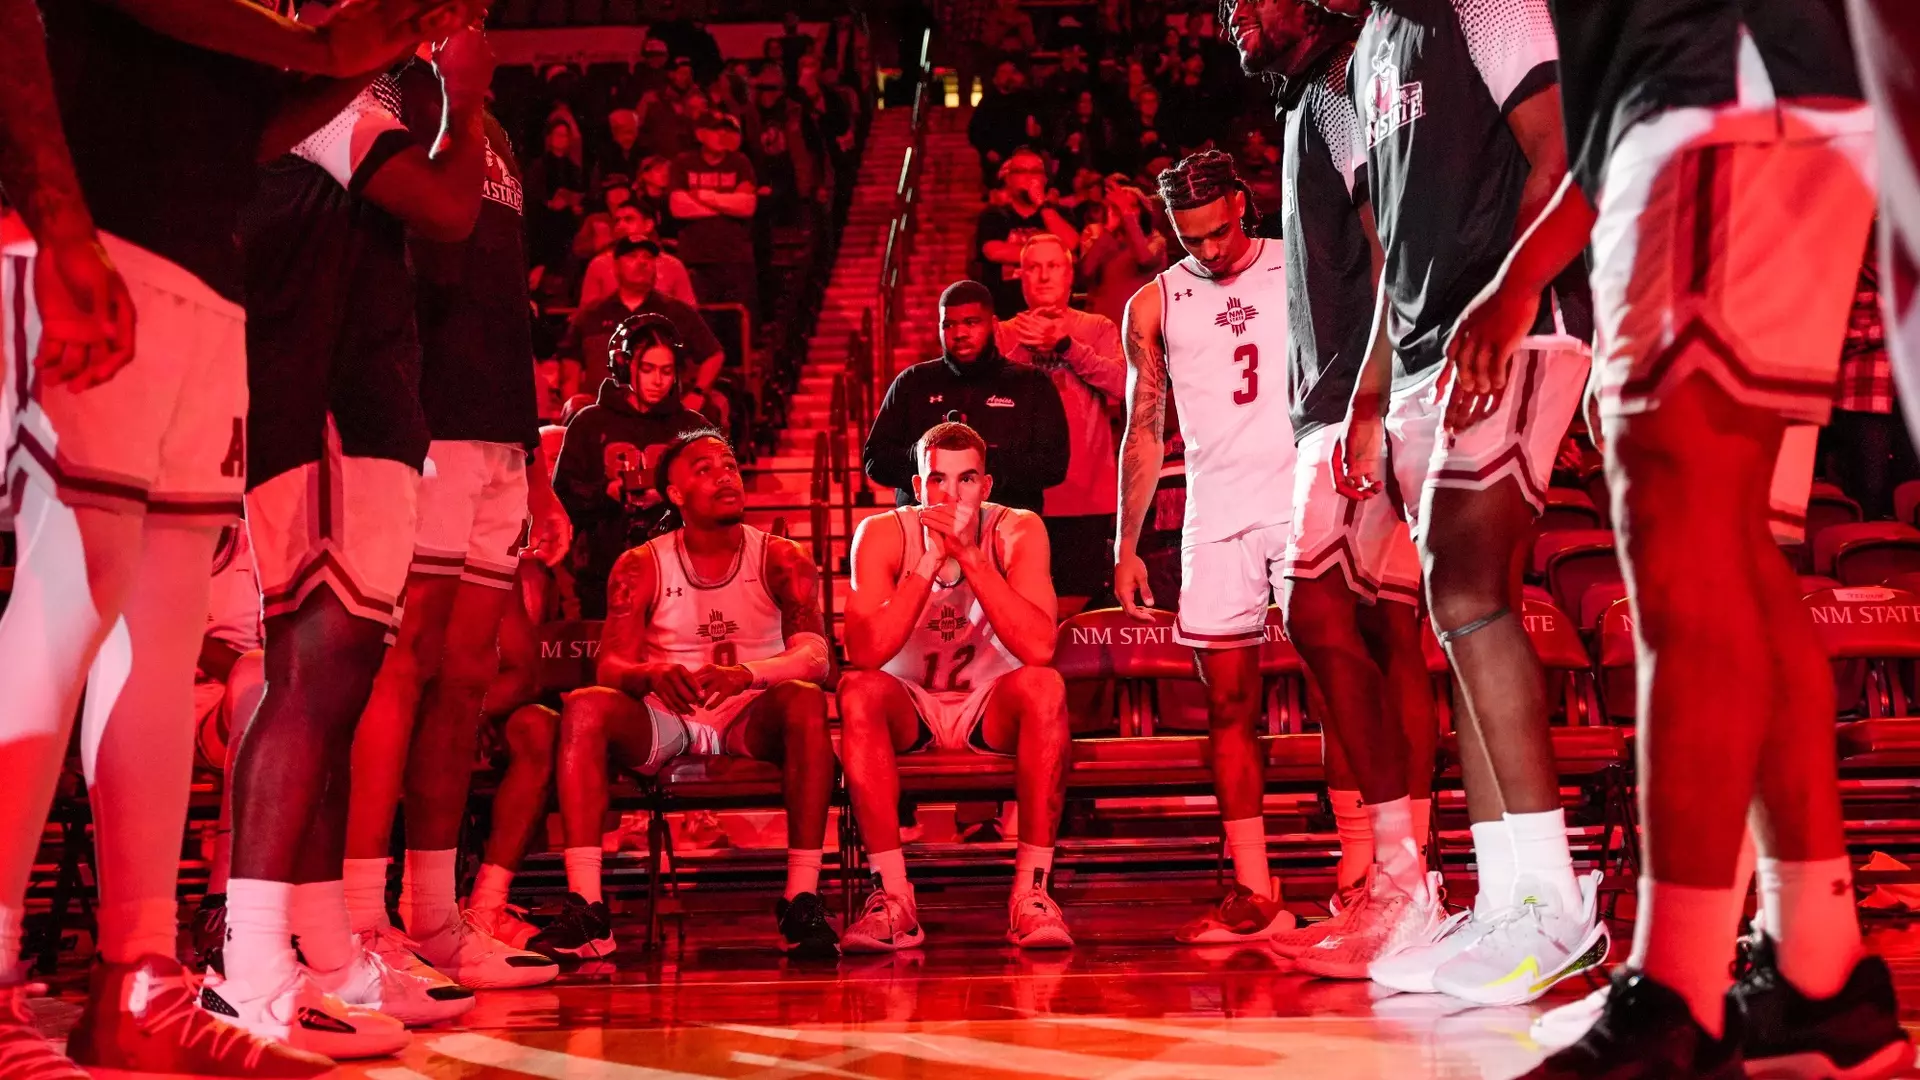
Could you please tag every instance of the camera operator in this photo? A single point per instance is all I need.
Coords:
(604, 475)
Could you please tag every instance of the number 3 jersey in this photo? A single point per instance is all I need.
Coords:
(1227, 359)
(953, 650)
(726, 622)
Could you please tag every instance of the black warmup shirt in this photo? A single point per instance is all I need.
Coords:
(1432, 83)
(1003, 279)
(330, 300)
(476, 329)
(1329, 262)
(165, 137)
(1623, 60)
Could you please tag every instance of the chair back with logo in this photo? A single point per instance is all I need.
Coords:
(1575, 561)
(1564, 656)
(569, 649)
(1617, 663)
(1108, 645)
(1873, 636)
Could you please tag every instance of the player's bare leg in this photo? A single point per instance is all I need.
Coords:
(1027, 714)
(1392, 631)
(788, 725)
(532, 734)
(878, 721)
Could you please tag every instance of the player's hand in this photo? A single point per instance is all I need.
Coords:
(552, 533)
(86, 313)
(952, 526)
(675, 686)
(1130, 585)
(717, 684)
(1480, 350)
(365, 35)
(1359, 456)
(465, 63)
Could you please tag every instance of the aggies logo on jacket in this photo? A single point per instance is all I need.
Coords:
(1390, 104)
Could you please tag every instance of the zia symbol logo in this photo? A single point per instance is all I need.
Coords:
(947, 624)
(1237, 315)
(717, 627)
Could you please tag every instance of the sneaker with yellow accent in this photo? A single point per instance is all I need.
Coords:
(1239, 916)
(1389, 921)
(1534, 945)
(1291, 943)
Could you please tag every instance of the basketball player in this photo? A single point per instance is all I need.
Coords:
(121, 487)
(1761, 145)
(336, 441)
(1889, 42)
(713, 644)
(476, 350)
(950, 627)
(1352, 583)
(1201, 329)
(1461, 118)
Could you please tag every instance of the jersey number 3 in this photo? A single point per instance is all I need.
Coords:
(1249, 356)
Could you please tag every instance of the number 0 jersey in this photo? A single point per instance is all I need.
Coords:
(727, 622)
(953, 648)
(1227, 359)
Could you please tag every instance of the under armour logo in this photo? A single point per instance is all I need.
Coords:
(1178, 295)
(675, 590)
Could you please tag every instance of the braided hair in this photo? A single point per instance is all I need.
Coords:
(1201, 178)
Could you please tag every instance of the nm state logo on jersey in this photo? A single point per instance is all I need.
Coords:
(717, 627)
(1237, 316)
(501, 185)
(1390, 104)
(947, 623)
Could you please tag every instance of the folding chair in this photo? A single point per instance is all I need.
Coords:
(1867, 552)
(1568, 509)
(1572, 562)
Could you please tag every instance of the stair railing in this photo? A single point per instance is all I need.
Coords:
(819, 491)
(899, 247)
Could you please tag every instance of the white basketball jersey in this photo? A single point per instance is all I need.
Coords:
(726, 622)
(953, 648)
(1227, 359)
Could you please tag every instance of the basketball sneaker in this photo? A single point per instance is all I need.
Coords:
(463, 951)
(581, 929)
(1533, 946)
(804, 930)
(141, 1020)
(1410, 971)
(414, 997)
(1239, 916)
(24, 1052)
(1340, 906)
(1853, 1035)
(301, 1015)
(1646, 1032)
(888, 923)
(1388, 921)
(507, 924)
(209, 933)
(1034, 921)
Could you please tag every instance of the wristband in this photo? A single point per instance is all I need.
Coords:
(805, 659)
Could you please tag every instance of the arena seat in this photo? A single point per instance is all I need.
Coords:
(1868, 632)
(1906, 503)
(569, 649)
(1866, 552)
(1594, 479)
(1827, 506)
(1573, 561)
(1812, 583)
(1594, 603)
(1568, 509)
(1618, 701)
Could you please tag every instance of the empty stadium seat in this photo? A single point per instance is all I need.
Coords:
(1618, 701)
(1812, 583)
(1594, 479)
(1107, 644)
(1906, 503)
(1866, 552)
(1595, 602)
(1827, 506)
(1867, 631)
(1571, 562)
(1568, 508)
(1564, 656)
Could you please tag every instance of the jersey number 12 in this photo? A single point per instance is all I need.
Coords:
(962, 656)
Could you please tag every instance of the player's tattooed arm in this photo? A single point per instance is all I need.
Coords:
(795, 584)
(630, 589)
(1143, 449)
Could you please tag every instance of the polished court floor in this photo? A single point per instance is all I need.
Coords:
(1125, 1003)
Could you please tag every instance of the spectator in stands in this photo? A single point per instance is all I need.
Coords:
(635, 222)
(1121, 252)
(713, 195)
(603, 475)
(1144, 142)
(1009, 30)
(652, 72)
(1005, 120)
(665, 124)
(794, 44)
(583, 351)
(1194, 106)
(556, 190)
(1005, 227)
(1259, 163)
(1082, 137)
(827, 124)
(616, 190)
(1080, 352)
(1013, 406)
(687, 37)
(962, 33)
(622, 153)
(1865, 447)
(651, 188)
(783, 161)
(1071, 79)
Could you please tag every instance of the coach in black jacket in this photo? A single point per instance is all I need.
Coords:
(1013, 406)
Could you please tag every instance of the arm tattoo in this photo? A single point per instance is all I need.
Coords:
(795, 584)
(35, 168)
(1141, 451)
(629, 604)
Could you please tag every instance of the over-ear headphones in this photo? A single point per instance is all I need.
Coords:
(637, 332)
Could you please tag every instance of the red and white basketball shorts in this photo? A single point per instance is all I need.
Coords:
(164, 437)
(343, 523)
(1363, 541)
(1518, 440)
(473, 505)
(707, 732)
(1227, 585)
(1728, 244)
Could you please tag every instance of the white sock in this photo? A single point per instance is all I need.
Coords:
(1032, 867)
(429, 900)
(1350, 823)
(1394, 847)
(1493, 857)
(1810, 913)
(366, 887)
(1683, 939)
(1247, 843)
(891, 868)
(1540, 851)
(490, 888)
(319, 922)
(1422, 824)
(583, 872)
(803, 871)
(259, 949)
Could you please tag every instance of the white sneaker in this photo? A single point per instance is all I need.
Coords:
(400, 952)
(1410, 971)
(888, 923)
(1386, 923)
(474, 958)
(508, 925)
(304, 1017)
(1567, 1024)
(415, 1000)
(1534, 946)
(1034, 921)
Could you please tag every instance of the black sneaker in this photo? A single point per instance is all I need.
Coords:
(209, 933)
(1853, 1035)
(1646, 1032)
(581, 929)
(804, 926)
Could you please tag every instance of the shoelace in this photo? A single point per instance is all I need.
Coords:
(1039, 903)
(194, 1025)
(887, 904)
(31, 1057)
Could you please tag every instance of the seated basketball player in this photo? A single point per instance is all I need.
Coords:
(713, 644)
(951, 626)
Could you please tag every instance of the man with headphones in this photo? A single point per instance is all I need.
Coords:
(603, 475)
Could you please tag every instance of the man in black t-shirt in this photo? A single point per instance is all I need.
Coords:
(713, 194)
(1745, 135)
(583, 351)
(1022, 210)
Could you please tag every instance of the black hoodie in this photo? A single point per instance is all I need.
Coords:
(605, 438)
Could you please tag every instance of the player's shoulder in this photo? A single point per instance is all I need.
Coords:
(786, 551)
(1145, 301)
(637, 560)
(1011, 520)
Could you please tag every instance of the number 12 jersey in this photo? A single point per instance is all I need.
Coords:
(1226, 342)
